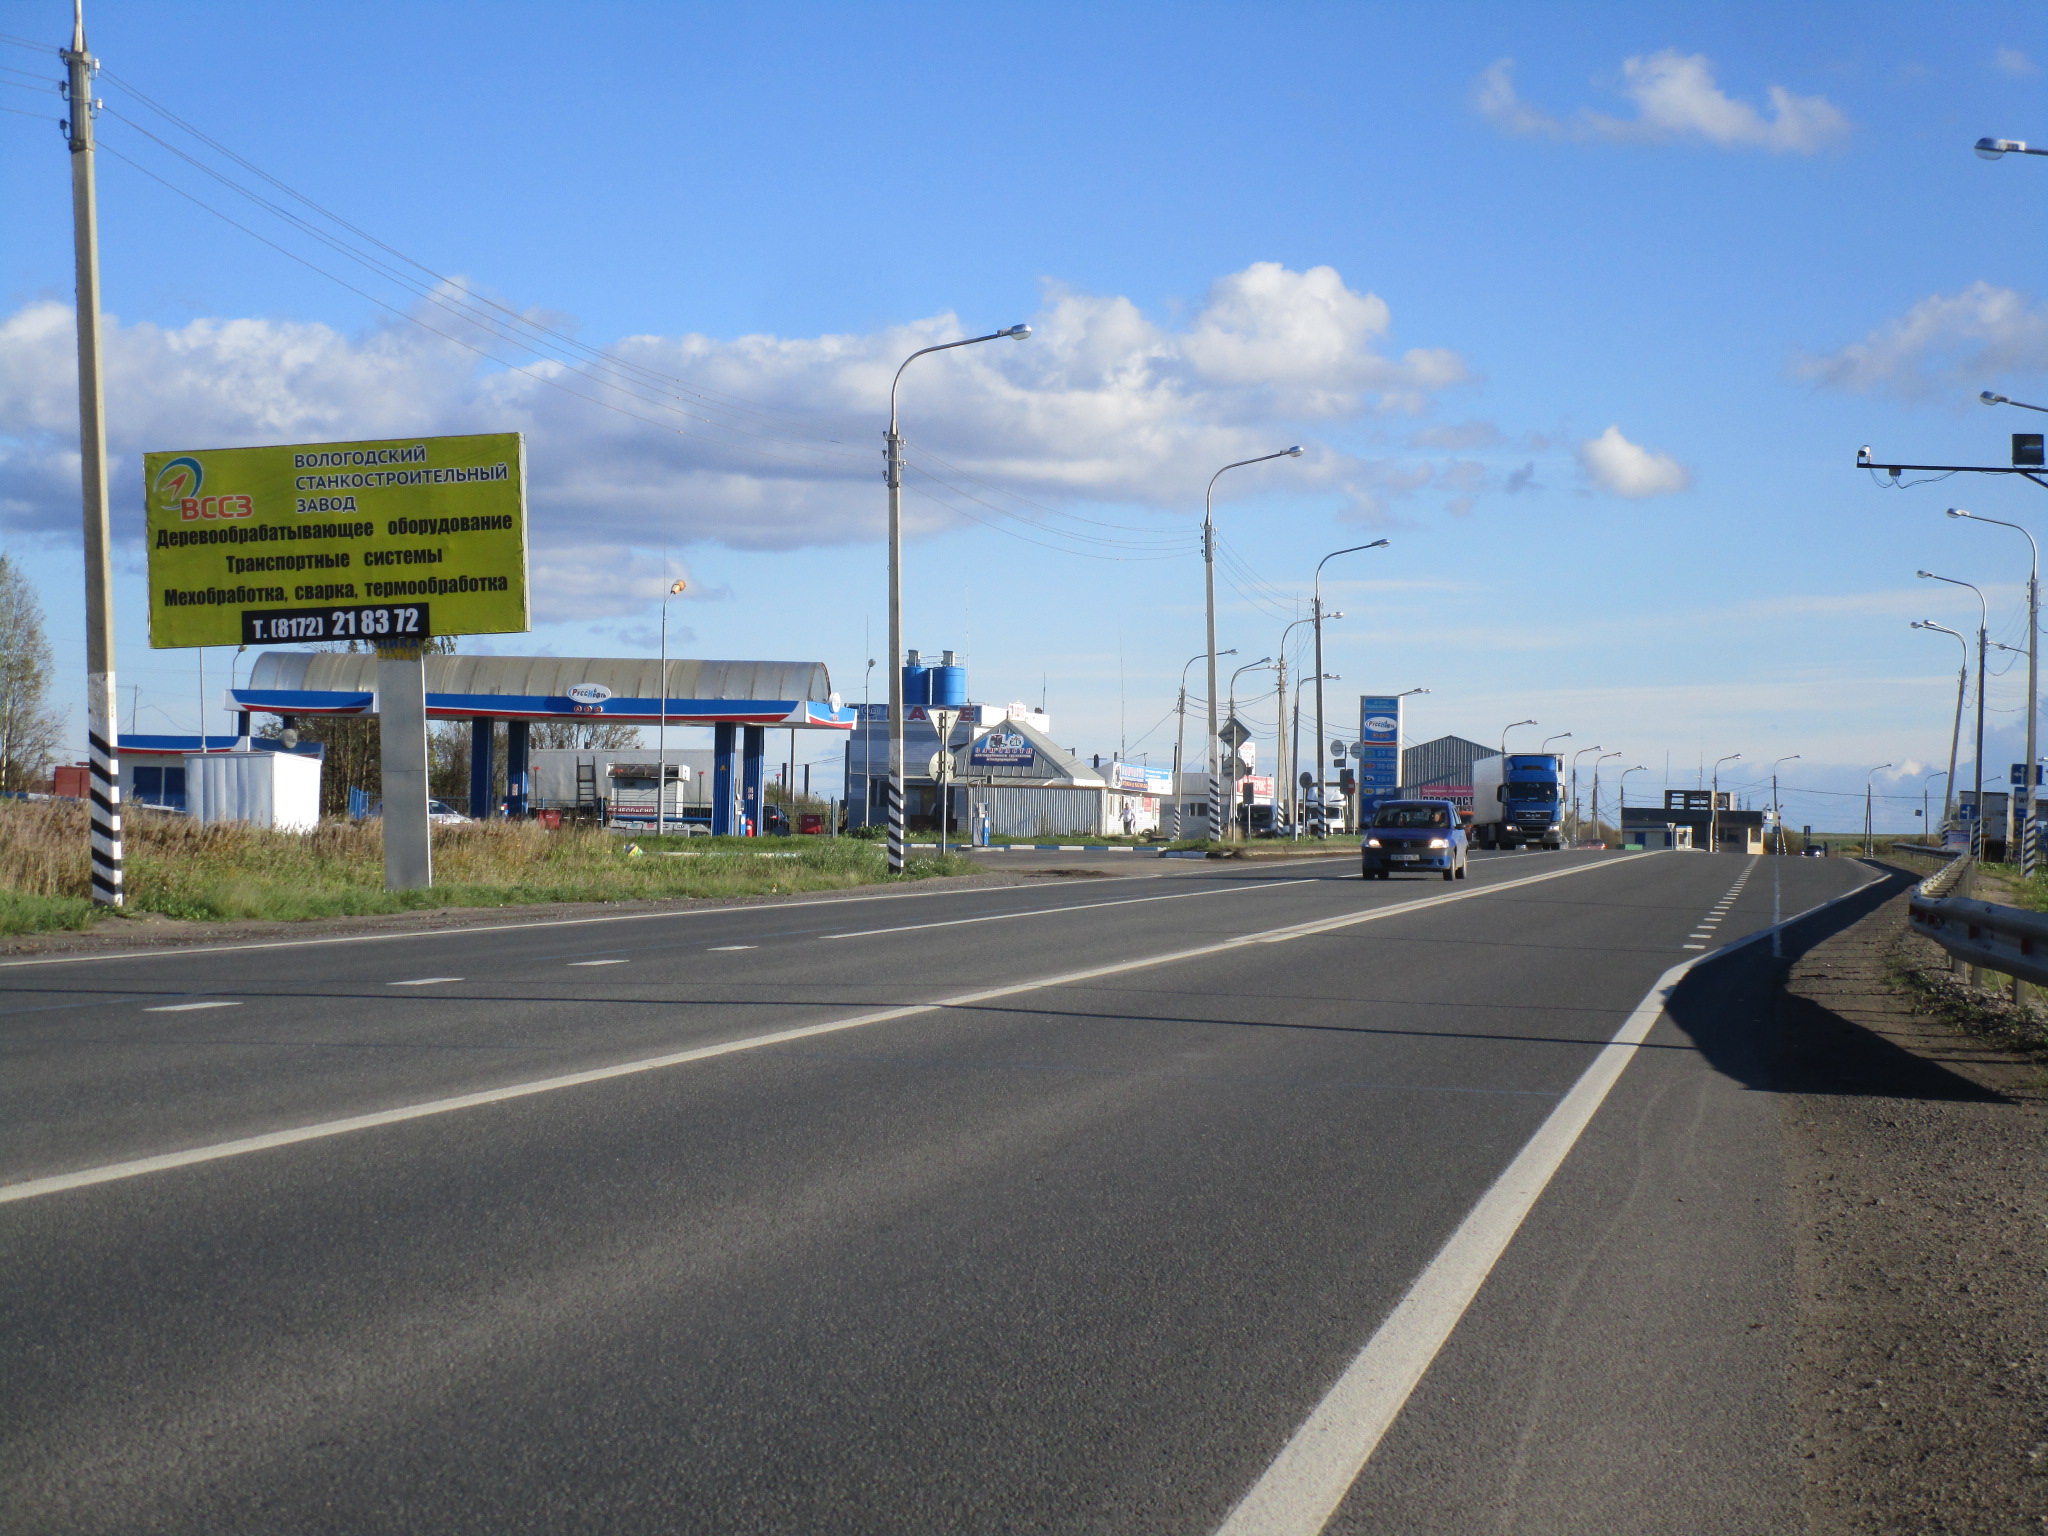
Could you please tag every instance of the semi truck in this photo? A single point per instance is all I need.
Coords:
(1518, 801)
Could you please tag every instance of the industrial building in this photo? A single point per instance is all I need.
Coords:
(1697, 812)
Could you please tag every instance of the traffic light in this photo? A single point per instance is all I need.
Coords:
(1347, 781)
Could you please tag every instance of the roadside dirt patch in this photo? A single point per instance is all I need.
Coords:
(1917, 1158)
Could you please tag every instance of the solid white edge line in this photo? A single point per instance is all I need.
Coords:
(29, 1189)
(1303, 1486)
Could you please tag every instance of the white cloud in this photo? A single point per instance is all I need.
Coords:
(1621, 467)
(1947, 339)
(2010, 61)
(774, 441)
(1676, 100)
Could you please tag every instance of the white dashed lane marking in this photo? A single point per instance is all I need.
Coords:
(188, 1007)
(423, 981)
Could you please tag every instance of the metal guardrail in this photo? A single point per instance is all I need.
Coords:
(2010, 940)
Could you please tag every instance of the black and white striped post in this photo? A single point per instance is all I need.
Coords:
(102, 728)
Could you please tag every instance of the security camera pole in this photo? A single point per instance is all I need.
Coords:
(102, 726)
(894, 451)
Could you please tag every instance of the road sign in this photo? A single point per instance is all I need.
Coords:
(1336, 749)
(1233, 732)
(387, 542)
(941, 765)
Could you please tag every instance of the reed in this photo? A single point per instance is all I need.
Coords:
(221, 872)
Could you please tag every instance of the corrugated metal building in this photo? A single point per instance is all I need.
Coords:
(1445, 762)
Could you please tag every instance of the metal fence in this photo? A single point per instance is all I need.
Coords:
(1980, 934)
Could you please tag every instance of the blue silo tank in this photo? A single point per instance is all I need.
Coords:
(917, 681)
(948, 685)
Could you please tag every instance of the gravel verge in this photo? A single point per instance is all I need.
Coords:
(1917, 1160)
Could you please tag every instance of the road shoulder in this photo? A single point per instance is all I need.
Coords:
(1916, 1164)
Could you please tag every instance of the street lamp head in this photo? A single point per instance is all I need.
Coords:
(1379, 544)
(1295, 453)
(677, 587)
(1957, 512)
(1993, 149)
(1337, 615)
(1016, 332)
(1925, 575)
(1990, 399)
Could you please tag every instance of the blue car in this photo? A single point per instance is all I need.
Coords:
(1419, 835)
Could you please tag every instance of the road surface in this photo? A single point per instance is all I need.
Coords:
(1082, 1206)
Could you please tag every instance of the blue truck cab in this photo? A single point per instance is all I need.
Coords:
(1420, 835)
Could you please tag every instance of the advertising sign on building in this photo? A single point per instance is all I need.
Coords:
(1378, 750)
(1136, 776)
(377, 541)
(1002, 749)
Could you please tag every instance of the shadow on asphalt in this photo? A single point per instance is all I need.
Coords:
(1739, 1016)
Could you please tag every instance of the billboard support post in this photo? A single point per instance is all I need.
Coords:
(402, 721)
(102, 727)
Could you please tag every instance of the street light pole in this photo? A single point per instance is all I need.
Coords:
(661, 732)
(1180, 734)
(1287, 757)
(1545, 743)
(1955, 735)
(1777, 815)
(1869, 848)
(1504, 735)
(894, 453)
(1596, 783)
(1983, 645)
(1230, 805)
(1209, 607)
(2025, 789)
(1316, 613)
(1714, 806)
(1621, 800)
(1578, 825)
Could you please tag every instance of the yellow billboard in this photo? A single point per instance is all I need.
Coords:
(378, 541)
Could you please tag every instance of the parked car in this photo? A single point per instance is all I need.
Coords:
(1418, 835)
(439, 812)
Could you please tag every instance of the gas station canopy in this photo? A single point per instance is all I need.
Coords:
(782, 694)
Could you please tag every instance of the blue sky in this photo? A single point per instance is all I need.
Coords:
(1446, 249)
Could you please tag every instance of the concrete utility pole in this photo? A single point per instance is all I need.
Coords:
(1209, 607)
(102, 727)
(893, 451)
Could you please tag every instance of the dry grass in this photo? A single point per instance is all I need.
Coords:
(217, 872)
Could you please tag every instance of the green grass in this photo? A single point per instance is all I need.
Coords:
(220, 873)
(21, 913)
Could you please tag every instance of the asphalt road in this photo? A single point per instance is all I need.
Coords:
(747, 1235)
